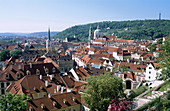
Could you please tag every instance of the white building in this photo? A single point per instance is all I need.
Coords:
(152, 70)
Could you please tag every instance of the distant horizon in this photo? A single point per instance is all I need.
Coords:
(37, 15)
(80, 24)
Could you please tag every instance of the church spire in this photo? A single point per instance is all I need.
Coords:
(49, 34)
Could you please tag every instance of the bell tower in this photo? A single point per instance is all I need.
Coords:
(90, 38)
(48, 41)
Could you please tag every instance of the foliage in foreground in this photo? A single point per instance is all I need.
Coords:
(12, 102)
(122, 105)
(101, 89)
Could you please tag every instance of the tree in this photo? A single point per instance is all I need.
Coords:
(16, 53)
(124, 68)
(152, 48)
(122, 105)
(4, 54)
(164, 59)
(160, 40)
(12, 102)
(101, 89)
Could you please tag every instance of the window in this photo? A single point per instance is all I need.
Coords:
(2, 91)
(46, 71)
(149, 72)
(53, 69)
(8, 83)
(37, 72)
(149, 77)
(28, 72)
(35, 96)
(121, 76)
(2, 85)
(7, 76)
(18, 75)
(74, 109)
(40, 96)
(150, 67)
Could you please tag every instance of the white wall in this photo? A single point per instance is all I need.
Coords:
(151, 73)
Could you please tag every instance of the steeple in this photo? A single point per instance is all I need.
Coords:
(48, 41)
(90, 38)
(49, 34)
(159, 16)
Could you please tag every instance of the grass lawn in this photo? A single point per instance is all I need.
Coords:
(165, 86)
(149, 94)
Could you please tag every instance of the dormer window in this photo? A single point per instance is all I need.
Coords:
(74, 99)
(54, 69)
(46, 71)
(54, 103)
(31, 109)
(42, 106)
(64, 101)
(7, 76)
(18, 75)
(37, 71)
(28, 72)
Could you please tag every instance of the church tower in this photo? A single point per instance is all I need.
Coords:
(48, 41)
(90, 38)
(98, 33)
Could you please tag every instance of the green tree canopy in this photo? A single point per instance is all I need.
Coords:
(101, 89)
(152, 48)
(160, 40)
(164, 58)
(137, 29)
(16, 53)
(4, 54)
(12, 102)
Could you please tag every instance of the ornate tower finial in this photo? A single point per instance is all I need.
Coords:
(98, 26)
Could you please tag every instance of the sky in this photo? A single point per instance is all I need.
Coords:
(37, 15)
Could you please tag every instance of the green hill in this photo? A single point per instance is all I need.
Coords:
(137, 29)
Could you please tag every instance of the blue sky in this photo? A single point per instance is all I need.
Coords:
(38, 15)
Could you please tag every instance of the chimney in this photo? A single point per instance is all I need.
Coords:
(51, 77)
(74, 99)
(55, 90)
(19, 67)
(62, 89)
(46, 83)
(11, 67)
(30, 65)
(49, 95)
(58, 87)
(40, 77)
